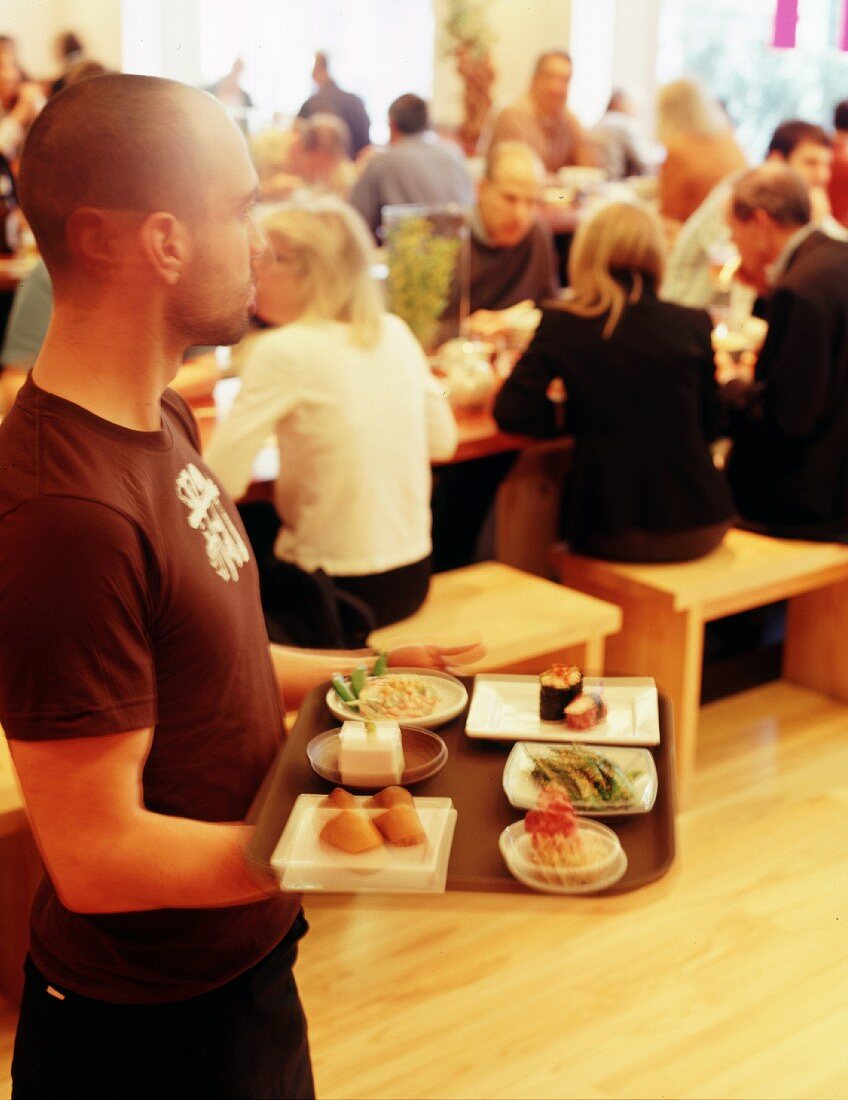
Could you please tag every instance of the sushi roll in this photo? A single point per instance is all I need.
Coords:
(585, 712)
(560, 684)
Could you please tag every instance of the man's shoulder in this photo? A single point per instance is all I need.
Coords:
(819, 261)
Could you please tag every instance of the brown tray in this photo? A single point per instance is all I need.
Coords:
(473, 778)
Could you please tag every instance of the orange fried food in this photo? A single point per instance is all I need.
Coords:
(340, 798)
(391, 796)
(401, 825)
(352, 832)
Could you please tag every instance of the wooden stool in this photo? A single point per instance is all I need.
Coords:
(665, 608)
(525, 622)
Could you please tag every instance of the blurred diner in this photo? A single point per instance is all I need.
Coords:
(542, 120)
(20, 99)
(416, 167)
(358, 416)
(702, 247)
(631, 378)
(789, 423)
(700, 147)
(511, 256)
(70, 51)
(330, 99)
(619, 139)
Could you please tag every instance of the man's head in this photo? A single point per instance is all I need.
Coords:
(321, 69)
(145, 186)
(549, 86)
(323, 146)
(508, 195)
(804, 147)
(408, 116)
(767, 206)
(840, 117)
(622, 102)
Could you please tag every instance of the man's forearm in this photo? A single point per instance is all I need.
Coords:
(300, 670)
(160, 862)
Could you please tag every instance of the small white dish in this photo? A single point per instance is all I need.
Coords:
(638, 765)
(515, 846)
(506, 708)
(452, 698)
(306, 864)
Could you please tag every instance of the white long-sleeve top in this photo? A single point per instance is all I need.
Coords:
(356, 428)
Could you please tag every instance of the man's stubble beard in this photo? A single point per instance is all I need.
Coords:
(189, 315)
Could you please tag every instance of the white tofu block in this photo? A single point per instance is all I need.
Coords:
(370, 756)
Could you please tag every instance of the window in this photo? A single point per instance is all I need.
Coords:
(726, 44)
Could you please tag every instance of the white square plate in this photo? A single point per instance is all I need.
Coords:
(638, 765)
(506, 708)
(305, 863)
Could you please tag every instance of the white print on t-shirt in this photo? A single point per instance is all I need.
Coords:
(225, 547)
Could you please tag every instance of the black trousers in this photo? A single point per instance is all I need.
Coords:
(246, 1039)
(655, 546)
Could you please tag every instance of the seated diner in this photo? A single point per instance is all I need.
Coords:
(635, 380)
(358, 416)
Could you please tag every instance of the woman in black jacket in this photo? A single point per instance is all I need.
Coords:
(640, 399)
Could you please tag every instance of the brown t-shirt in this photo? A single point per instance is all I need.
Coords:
(129, 598)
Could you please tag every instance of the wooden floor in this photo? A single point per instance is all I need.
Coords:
(726, 979)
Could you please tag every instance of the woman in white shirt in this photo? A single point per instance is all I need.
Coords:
(358, 417)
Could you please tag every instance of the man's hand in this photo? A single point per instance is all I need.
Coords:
(432, 655)
(729, 368)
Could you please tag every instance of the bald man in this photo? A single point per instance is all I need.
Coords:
(139, 697)
(512, 256)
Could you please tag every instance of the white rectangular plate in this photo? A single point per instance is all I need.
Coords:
(305, 863)
(506, 708)
(523, 791)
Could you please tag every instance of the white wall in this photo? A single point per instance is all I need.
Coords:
(592, 50)
(635, 52)
(35, 24)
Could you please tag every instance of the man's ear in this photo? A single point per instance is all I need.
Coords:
(91, 237)
(166, 245)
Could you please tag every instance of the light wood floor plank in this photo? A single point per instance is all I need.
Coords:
(725, 979)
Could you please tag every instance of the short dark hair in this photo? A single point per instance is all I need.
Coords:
(840, 115)
(543, 57)
(776, 189)
(789, 135)
(115, 142)
(408, 114)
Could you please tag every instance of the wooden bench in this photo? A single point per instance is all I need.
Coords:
(20, 873)
(665, 608)
(524, 621)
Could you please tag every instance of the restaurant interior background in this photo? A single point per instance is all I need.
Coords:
(636, 43)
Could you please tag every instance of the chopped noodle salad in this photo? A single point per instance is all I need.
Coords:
(398, 697)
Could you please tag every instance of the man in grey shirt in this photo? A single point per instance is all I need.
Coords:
(415, 168)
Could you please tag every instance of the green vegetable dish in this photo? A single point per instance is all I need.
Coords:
(350, 690)
(587, 776)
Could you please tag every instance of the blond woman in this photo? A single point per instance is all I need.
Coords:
(640, 399)
(347, 391)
